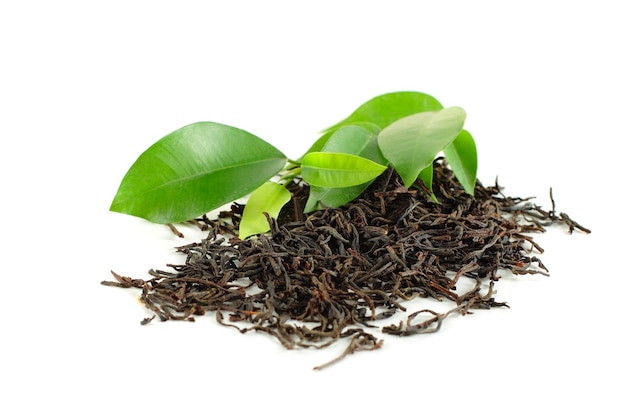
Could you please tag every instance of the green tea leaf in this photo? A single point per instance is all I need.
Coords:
(462, 156)
(322, 197)
(355, 140)
(319, 144)
(194, 170)
(270, 198)
(411, 143)
(387, 108)
(426, 175)
(329, 169)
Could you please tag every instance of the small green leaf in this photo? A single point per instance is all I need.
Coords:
(411, 143)
(193, 170)
(329, 169)
(269, 198)
(426, 175)
(387, 108)
(355, 140)
(462, 156)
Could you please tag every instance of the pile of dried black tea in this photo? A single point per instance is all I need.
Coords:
(328, 275)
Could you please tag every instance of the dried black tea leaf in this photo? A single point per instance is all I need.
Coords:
(321, 277)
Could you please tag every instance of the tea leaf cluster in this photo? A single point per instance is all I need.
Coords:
(205, 165)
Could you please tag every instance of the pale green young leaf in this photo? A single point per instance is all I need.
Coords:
(462, 157)
(329, 169)
(193, 170)
(411, 143)
(426, 175)
(269, 198)
(387, 108)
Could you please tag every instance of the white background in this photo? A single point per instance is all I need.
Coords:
(85, 87)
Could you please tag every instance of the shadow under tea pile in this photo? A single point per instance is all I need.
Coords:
(331, 274)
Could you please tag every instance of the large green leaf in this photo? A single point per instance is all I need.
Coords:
(354, 140)
(462, 156)
(387, 108)
(411, 143)
(329, 169)
(193, 170)
(269, 198)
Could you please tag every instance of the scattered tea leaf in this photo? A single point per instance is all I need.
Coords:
(335, 274)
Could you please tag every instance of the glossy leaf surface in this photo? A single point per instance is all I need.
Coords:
(270, 198)
(387, 108)
(462, 156)
(195, 169)
(411, 143)
(329, 169)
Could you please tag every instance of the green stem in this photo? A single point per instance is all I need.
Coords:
(291, 174)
